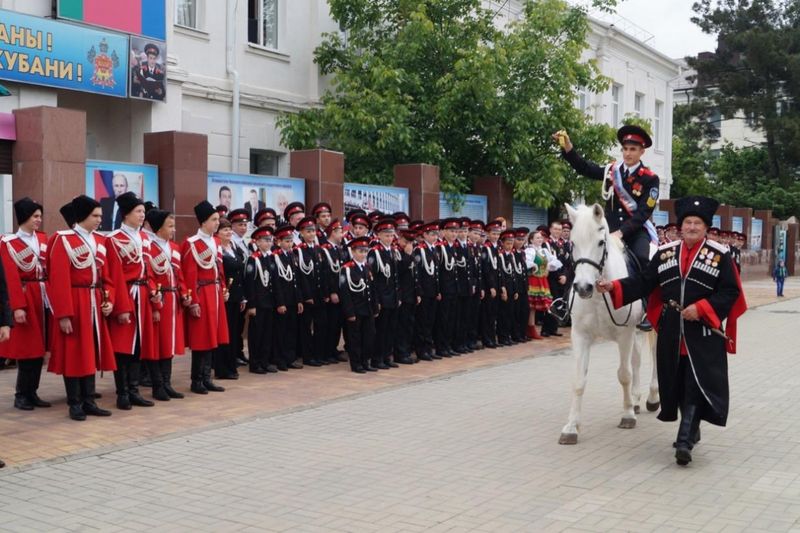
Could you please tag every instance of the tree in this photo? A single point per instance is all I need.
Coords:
(756, 72)
(690, 153)
(436, 81)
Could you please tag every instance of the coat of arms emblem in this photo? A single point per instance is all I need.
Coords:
(104, 65)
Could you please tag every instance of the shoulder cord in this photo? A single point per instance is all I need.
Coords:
(360, 287)
(285, 273)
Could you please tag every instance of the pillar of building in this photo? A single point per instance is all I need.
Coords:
(49, 159)
(422, 182)
(668, 205)
(499, 194)
(323, 171)
(182, 160)
(725, 212)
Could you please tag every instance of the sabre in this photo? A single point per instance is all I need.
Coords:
(718, 332)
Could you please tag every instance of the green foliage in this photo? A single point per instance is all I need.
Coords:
(435, 81)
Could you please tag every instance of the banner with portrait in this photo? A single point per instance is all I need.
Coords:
(253, 192)
(148, 69)
(105, 180)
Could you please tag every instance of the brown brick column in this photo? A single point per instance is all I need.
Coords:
(422, 182)
(765, 215)
(182, 160)
(668, 205)
(49, 158)
(725, 213)
(500, 196)
(323, 171)
(792, 259)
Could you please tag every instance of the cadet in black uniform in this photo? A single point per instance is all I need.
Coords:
(312, 329)
(288, 300)
(475, 247)
(447, 312)
(259, 290)
(522, 308)
(408, 297)
(427, 269)
(335, 256)
(507, 289)
(466, 287)
(490, 271)
(359, 306)
(384, 262)
(226, 355)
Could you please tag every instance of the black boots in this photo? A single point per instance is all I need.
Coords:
(134, 371)
(73, 389)
(157, 381)
(688, 430)
(126, 379)
(165, 366)
(29, 372)
(201, 373)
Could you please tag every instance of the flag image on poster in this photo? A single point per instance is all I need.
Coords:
(139, 17)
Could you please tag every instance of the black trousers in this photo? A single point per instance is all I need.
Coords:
(425, 316)
(522, 310)
(29, 374)
(445, 322)
(505, 318)
(405, 329)
(639, 246)
(386, 330)
(334, 329)
(474, 318)
(361, 341)
(488, 318)
(304, 333)
(201, 365)
(285, 339)
(460, 326)
(259, 338)
(321, 336)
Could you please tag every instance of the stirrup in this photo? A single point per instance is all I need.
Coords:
(559, 309)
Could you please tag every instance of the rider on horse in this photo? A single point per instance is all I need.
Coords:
(631, 191)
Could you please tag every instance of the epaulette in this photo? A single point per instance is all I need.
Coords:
(375, 248)
(9, 238)
(717, 246)
(276, 252)
(421, 245)
(302, 245)
(65, 232)
(488, 244)
(669, 245)
(193, 239)
(644, 171)
(255, 255)
(327, 245)
(349, 264)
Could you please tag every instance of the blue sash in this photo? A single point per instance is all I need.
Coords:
(629, 203)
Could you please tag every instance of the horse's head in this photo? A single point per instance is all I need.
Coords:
(589, 234)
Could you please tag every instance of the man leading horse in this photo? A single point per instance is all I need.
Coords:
(630, 188)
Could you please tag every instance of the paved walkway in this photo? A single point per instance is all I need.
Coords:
(475, 451)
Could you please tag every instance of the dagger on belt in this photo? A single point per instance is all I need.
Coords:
(716, 331)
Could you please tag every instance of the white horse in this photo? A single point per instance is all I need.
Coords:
(599, 254)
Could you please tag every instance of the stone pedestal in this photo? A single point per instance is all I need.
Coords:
(500, 196)
(49, 159)
(422, 182)
(323, 171)
(182, 160)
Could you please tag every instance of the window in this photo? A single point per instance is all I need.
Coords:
(616, 99)
(638, 104)
(262, 23)
(583, 99)
(186, 13)
(658, 123)
(265, 162)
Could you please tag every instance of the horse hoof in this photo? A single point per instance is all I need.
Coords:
(568, 438)
(636, 409)
(627, 423)
(652, 407)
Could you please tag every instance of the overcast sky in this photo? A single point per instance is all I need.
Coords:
(669, 21)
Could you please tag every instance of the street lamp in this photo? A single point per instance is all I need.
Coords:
(4, 91)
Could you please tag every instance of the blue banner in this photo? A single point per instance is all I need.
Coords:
(660, 218)
(737, 223)
(473, 206)
(716, 221)
(756, 229)
(375, 198)
(41, 51)
(253, 192)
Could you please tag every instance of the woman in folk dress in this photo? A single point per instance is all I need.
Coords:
(540, 262)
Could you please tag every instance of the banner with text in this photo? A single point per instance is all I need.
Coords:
(253, 192)
(473, 206)
(375, 198)
(41, 51)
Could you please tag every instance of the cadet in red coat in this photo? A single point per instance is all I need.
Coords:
(23, 256)
(81, 291)
(206, 325)
(165, 265)
(131, 325)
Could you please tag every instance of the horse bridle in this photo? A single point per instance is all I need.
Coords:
(599, 266)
